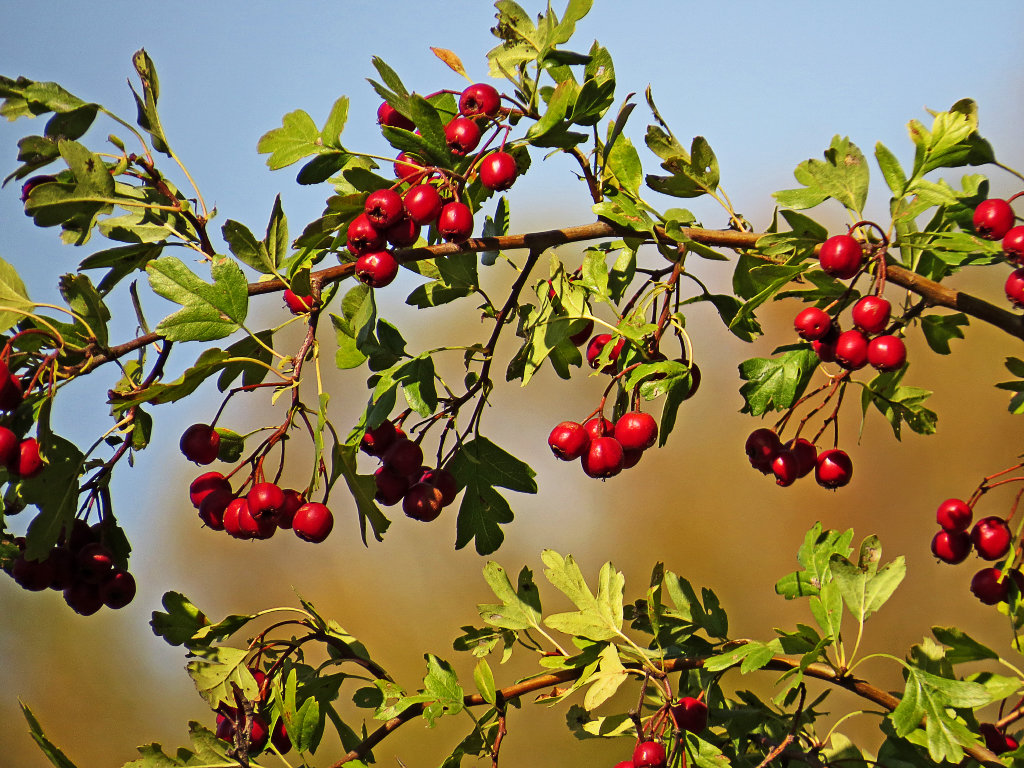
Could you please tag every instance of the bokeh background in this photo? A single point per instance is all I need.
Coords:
(768, 85)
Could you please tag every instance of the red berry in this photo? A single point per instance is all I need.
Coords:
(259, 734)
(993, 219)
(253, 527)
(11, 394)
(32, 183)
(806, 456)
(597, 345)
(462, 135)
(995, 740)
(689, 714)
(650, 754)
(951, 547)
(391, 487)
(213, 506)
(363, 236)
(786, 468)
(852, 349)
(83, 598)
(286, 514)
(377, 440)
(991, 538)
(422, 502)
(954, 515)
(1015, 287)
(498, 171)
(403, 233)
(986, 586)
(631, 458)
(233, 519)
(841, 256)
(603, 458)
(29, 462)
(264, 500)
(33, 575)
(871, 314)
(599, 426)
(408, 166)
(388, 115)
(581, 336)
(93, 563)
(376, 268)
(298, 305)
(480, 99)
(200, 443)
(825, 347)
(625, 764)
(118, 589)
(834, 469)
(9, 449)
(280, 738)
(444, 481)
(204, 485)
(1013, 245)
(423, 203)
(762, 446)
(887, 353)
(313, 522)
(455, 222)
(636, 431)
(812, 324)
(404, 457)
(383, 208)
(569, 440)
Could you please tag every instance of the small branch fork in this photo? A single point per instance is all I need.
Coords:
(554, 679)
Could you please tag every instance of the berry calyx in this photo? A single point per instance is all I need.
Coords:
(480, 99)
(498, 171)
(649, 754)
(689, 714)
(834, 469)
(313, 522)
(298, 305)
(455, 222)
(604, 458)
(887, 353)
(992, 219)
(200, 443)
(423, 203)
(954, 515)
(383, 208)
(852, 349)
(568, 440)
(812, 324)
(991, 538)
(462, 135)
(388, 115)
(871, 314)
(951, 546)
(376, 268)
(636, 431)
(841, 256)
(1013, 245)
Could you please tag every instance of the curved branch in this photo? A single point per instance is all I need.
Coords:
(821, 672)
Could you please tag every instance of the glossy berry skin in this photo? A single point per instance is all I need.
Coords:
(812, 324)
(991, 538)
(376, 269)
(597, 345)
(286, 514)
(313, 522)
(993, 219)
(841, 256)
(599, 426)
(1013, 245)
(423, 203)
(9, 444)
(383, 208)
(834, 469)
(762, 446)
(200, 443)
(871, 314)
(852, 349)
(462, 135)
(118, 589)
(255, 527)
(604, 458)
(455, 222)
(954, 515)
(444, 481)
(388, 115)
(1015, 287)
(498, 171)
(93, 563)
(212, 508)
(786, 468)
(30, 463)
(83, 598)
(480, 99)
(403, 233)
(204, 485)
(569, 440)
(986, 586)
(625, 764)
(825, 347)
(951, 547)
(298, 305)
(689, 714)
(264, 499)
(363, 236)
(636, 431)
(806, 456)
(649, 754)
(407, 166)
(279, 738)
(887, 353)
(422, 502)
(232, 519)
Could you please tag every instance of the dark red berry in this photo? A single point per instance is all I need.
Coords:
(384, 208)
(9, 449)
(388, 115)
(812, 323)
(462, 135)
(631, 458)
(825, 347)
(603, 458)
(871, 314)
(83, 598)
(404, 457)
(376, 269)
(363, 236)
(887, 353)
(279, 738)
(200, 443)
(313, 522)
(786, 468)
(377, 440)
(498, 171)
(118, 589)
(11, 393)
(423, 203)
(422, 502)
(993, 219)
(581, 336)
(951, 547)
(841, 256)
(93, 563)
(762, 446)
(987, 587)
(569, 440)
(852, 349)
(286, 514)
(954, 515)
(636, 431)
(253, 527)
(834, 469)
(33, 575)
(480, 99)
(991, 538)
(806, 456)
(444, 481)
(1013, 245)
(213, 506)
(995, 740)
(649, 754)
(689, 714)
(391, 487)
(204, 485)
(403, 233)
(32, 183)
(455, 222)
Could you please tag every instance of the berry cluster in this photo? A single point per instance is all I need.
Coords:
(431, 195)
(994, 220)
(423, 491)
(231, 719)
(603, 448)
(18, 455)
(797, 458)
(81, 567)
(689, 714)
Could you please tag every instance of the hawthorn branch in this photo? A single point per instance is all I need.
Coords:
(818, 671)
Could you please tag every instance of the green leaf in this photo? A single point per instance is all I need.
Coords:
(899, 404)
(694, 173)
(14, 300)
(483, 678)
(246, 247)
(865, 587)
(181, 621)
(209, 363)
(611, 674)
(843, 176)
(599, 618)
(148, 117)
(519, 607)
(54, 491)
(481, 514)
(939, 329)
(49, 749)
(962, 647)
(776, 383)
(707, 614)
(363, 488)
(209, 311)
(892, 172)
(218, 671)
(953, 140)
(298, 136)
(442, 685)
(210, 752)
